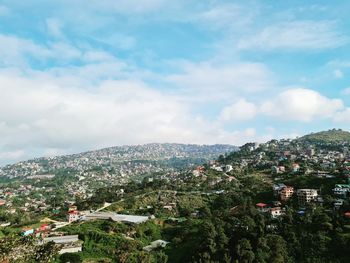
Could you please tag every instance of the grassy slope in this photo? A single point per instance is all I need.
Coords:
(330, 136)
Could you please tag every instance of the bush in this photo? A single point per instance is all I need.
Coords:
(70, 258)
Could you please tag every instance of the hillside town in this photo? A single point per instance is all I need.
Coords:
(282, 177)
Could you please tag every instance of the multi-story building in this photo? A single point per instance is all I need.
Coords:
(286, 193)
(306, 195)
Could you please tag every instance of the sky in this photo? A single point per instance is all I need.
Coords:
(79, 75)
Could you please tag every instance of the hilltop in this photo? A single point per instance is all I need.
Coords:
(330, 136)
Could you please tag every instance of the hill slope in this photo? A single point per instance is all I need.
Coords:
(331, 136)
(122, 160)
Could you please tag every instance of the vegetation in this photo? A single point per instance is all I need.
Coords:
(331, 136)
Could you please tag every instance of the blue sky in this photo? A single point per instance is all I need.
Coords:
(79, 75)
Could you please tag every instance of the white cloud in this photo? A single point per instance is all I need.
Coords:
(15, 51)
(222, 81)
(54, 27)
(346, 91)
(241, 110)
(338, 74)
(311, 35)
(123, 6)
(302, 105)
(225, 16)
(343, 116)
(118, 40)
(4, 10)
(41, 114)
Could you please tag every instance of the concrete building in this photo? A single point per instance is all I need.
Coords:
(306, 196)
(70, 244)
(286, 193)
(116, 217)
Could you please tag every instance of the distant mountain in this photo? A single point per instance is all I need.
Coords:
(121, 160)
(330, 136)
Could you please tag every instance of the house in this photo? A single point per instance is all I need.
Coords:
(338, 203)
(281, 169)
(27, 231)
(295, 167)
(198, 171)
(347, 214)
(306, 195)
(72, 216)
(43, 228)
(228, 168)
(72, 208)
(168, 207)
(286, 193)
(341, 189)
(310, 152)
(278, 169)
(262, 207)
(276, 212)
(277, 188)
(70, 244)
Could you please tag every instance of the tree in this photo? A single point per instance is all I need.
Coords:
(278, 248)
(70, 258)
(244, 251)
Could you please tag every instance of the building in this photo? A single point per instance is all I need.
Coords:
(228, 168)
(310, 152)
(70, 244)
(276, 212)
(72, 208)
(286, 193)
(155, 244)
(277, 188)
(341, 189)
(295, 167)
(306, 196)
(116, 217)
(72, 216)
(278, 169)
(262, 207)
(27, 231)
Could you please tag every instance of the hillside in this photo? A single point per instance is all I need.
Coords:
(271, 202)
(122, 161)
(330, 136)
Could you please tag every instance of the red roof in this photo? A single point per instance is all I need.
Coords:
(73, 212)
(275, 209)
(261, 205)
